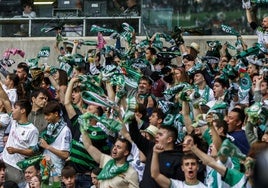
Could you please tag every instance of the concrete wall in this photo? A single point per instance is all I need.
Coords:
(32, 46)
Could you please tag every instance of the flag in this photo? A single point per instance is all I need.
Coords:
(101, 41)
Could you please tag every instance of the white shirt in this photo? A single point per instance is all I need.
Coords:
(21, 136)
(30, 15)
(62, 143)
(136, 163)
(12, 94)
(182, 184)
(262, 36)
(4, 122)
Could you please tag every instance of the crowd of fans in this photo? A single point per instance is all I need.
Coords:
(146, 115)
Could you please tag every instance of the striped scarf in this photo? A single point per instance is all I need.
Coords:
(79, 154)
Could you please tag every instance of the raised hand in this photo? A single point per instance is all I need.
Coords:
(158, 148)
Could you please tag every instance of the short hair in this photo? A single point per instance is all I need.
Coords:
(27, 4)
(172, 131)
(160, 113)
(241, 114)
(77, 89)
(96, 170)
(189, 156)
(146, 78)
(189, 57)
(223, 82)
(2, 165)
(24, 104)
(68, 171)
(36, 92)
(152, 50)
(127, 142)
(52, 107)
(223, 124)
(24, 66)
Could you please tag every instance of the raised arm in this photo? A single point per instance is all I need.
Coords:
(92, 150)
(251, 18)
(68, 98)
(186, 116)
(215, 136)
(161, 180)
(52, 80)
(251, 137)
(257, 90)
(110, 90)
(207, 160)
(5, 100)
(74, 50)
(143, 144)
(60, 88)
(124, 132)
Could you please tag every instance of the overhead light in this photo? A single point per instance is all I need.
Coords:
(43, 2)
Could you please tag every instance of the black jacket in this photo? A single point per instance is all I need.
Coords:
(169, 161)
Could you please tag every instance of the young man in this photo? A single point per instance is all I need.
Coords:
(169, 159)
(122, 174)
(144, 95)
(28, 10)
(22, 136)
(235, 121)
(189, 167)
(157, 117)
(57, 138)
(202, 87)
(39, 100)
(23, 72)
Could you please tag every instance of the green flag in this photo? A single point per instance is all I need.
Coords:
(230, 30)
(44, 52)
(231, 150)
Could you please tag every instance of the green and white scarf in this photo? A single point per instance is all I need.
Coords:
(52, 131)
(110, 170)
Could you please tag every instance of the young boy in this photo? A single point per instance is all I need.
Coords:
(57, 137)
(68, 174)
(22, 136)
